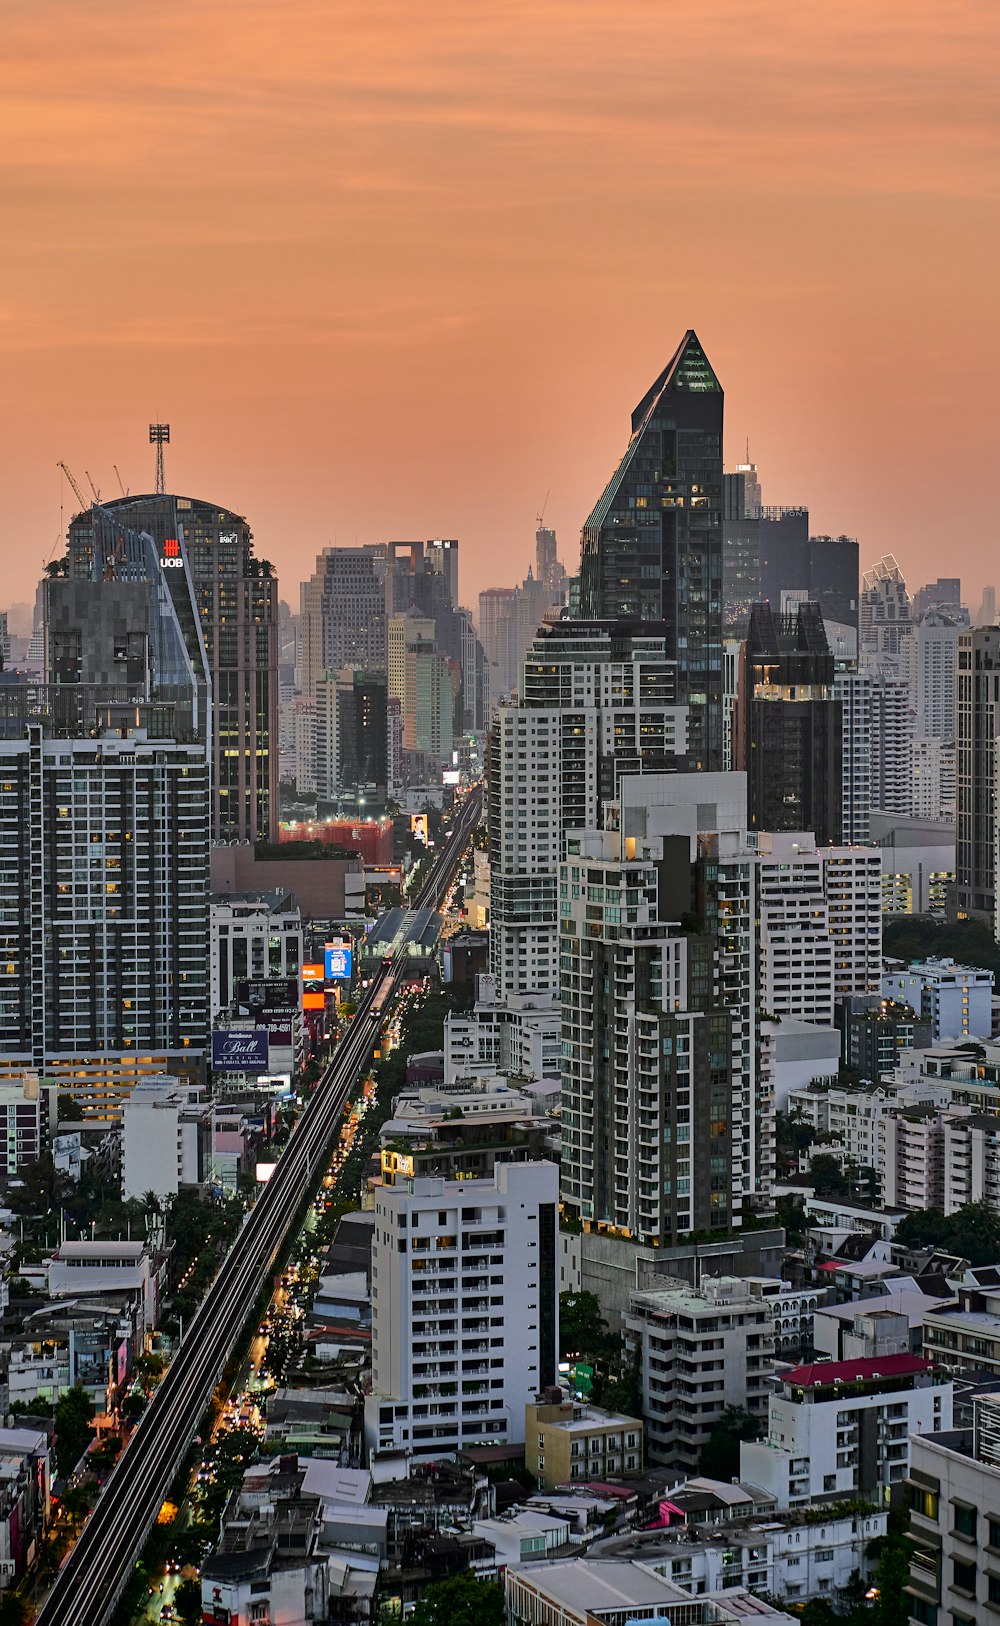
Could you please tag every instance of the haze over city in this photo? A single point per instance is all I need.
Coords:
(397, 271)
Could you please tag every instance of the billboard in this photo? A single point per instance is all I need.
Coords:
(338, 959)
(418, 827)
(269, 995)
(240, 1050)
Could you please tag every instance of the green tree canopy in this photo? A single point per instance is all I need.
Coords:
(583, 1330)
(461, 1601)
(74, 1429)
(720, 1455)
(973, 1232)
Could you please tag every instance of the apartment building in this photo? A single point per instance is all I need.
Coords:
(840, 1429)
(569, 1440)
(820, 924)
(957, 1000)
(699, 1351)
(465, 1308)
(954, 1502)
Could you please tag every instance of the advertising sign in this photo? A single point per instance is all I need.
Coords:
(269, 995)
(338, 960)
(240, 1050)
(418, 827)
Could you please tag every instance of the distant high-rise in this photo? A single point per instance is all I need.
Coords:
(787, 735)
(343, 614)
(978, 720)
(944, 594)
(988, 608)
(548, 570)
(886, 614)
(652, 547)
(205, 553)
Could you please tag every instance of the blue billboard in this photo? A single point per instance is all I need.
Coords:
(240, 1050)
(338, 960)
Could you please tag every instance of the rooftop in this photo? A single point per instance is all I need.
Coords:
(867, 1370)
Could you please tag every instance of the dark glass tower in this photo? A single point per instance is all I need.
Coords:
(788, 724)
(652, 548)
(204, 555)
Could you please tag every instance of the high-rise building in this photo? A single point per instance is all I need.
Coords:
(349, 735)
(597, 700)
(465, 1308)
(929, 664)
(787, 735)
(987, 614)
(652, 547)
(548, 570)
(978, 723)
(886, 614)
(475, 678)
(343, 614)
(741, 546)
(944, 595)
(206, 556)
(105, 815)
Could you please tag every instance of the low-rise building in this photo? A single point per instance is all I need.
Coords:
(794, 1554)
(617, 1591)
(162, 1137)
(956, 999)
(28, 1116)
(25, 1491)
(699, 1351)
(568, 1440)
(842, 1428)
(520, 1035)
(463, 1133)
(126, 1270)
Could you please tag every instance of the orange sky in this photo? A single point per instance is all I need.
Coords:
(397, 269)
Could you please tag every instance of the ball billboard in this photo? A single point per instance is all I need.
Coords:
(240, 1050)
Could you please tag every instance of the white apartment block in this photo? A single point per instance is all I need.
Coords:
(790, 1556)
(699, 1351)
(928, 661)
(820, 913)
(842, 1428)
(519, 1035)
(588, 699)
(161, 1138)
(933, 779)
(956, 999)
(465, 1309)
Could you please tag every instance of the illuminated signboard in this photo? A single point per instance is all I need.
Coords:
(240, 1050)
(338, 960)
(313, 995)
(418, 827)
(170, 559)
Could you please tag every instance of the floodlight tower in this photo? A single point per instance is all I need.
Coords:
(159, 436)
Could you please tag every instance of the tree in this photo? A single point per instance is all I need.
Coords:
(461, 1601)
(74, 1429)
(69, 1109)
(826, 1176)
(43, 1190)
(582, 1327)
(187, 1602)
(720, 1455)
(972, 1232)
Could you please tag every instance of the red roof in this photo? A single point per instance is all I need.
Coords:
(872, 1366)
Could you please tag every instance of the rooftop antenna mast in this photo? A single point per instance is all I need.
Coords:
(159, 436)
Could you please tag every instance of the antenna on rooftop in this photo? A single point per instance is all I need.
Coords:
(159, 436)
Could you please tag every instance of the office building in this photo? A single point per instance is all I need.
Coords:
(346, 729)
(343, 614)
(944, 594)
(721, 1337)
(548, 569)
(822, 569)
(918, 863)
(597, 699)
(954, 1503)
(978, 723)
(652, 547)
(787, 728)
(842, 1428)
(465, 1309)
(255, 936)
(741, 559)
(205, 555)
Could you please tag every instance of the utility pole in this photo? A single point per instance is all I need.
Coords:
(159, 436)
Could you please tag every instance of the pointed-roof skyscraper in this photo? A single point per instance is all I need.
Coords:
(652, 548)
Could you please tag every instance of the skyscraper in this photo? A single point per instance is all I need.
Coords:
(787, 736)
(652, 548)
(886, 613)
(206, 555)
(343, 614)
(597, 700)
(104, 829)
(978, 717)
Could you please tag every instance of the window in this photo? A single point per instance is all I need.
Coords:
(995, 1532)
(993, 1588)
(963, 1576)
(964, 1520)
(923, 1611)
(924, 1502)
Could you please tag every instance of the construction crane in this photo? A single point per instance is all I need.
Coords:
(122, 488)
(540, 518)
(81, 499)
(97, 494)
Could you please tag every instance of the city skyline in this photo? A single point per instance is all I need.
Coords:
(365, 210)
